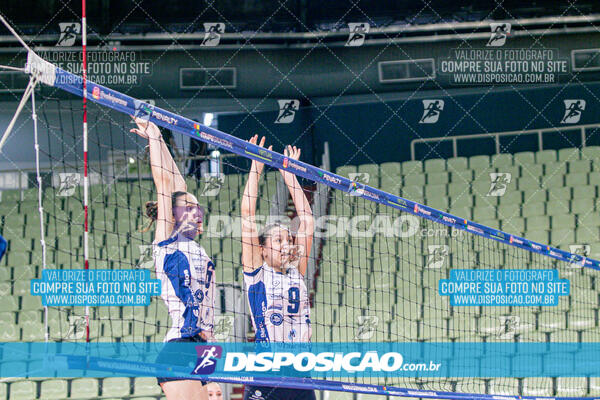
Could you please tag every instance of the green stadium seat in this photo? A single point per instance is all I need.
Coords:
(562, 221)
(590, 152)
(510, 210)
(330, 395)
(552, 179)
(484, 213)
(413, 192)
(527, 183)
(582, 318)
(568, 154)
(146, 387)
(549, 321)
(571, 387)
(8, 303)
(390, 169)
(435, 165)
(433, 191)
(557, 207)
(537, 387)
(412, 167)
(524, 158)
(502, 160)
(371, 169)
(433, 329)
(591, 335)
(344, 170)
(539, 222)
(473, 385)
(504, 386)
(583, 206)
(84, 388)
(511, 197)
(532, 209)
(594, 386)
(54, 389)
(513, 225)
(534, 195)
(584, 192)
(439, 203)
(462, 325)
(479, 162)
(117, 387)
(461, 212)
(562, 237)
(576, 179)
(415, 178)
(564, 336)
(580, 166)
(545, 156)
(594, 178)
(559, 193)
(437, 178)
(587, 235)
(33, 332)
(456, 164)
(531, 170)
(23, 390)
(403, 330)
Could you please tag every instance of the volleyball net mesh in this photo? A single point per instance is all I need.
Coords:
(375, 266)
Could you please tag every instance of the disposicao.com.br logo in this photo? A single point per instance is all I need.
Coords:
(352, 362)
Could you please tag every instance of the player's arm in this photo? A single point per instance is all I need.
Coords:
(304, 235)
(165, 173)
(251, 257)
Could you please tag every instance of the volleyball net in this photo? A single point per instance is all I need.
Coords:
(382, 268)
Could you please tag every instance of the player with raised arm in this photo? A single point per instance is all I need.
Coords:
(274, 264)
(185, 270)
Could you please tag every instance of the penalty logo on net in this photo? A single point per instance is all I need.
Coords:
(223, 327)
(212, 33)
(358, 33)
(437, 254)
(212, 184)
(366, 327)
(68, 33)
(431, 111)
(287, 110)
(573, 111)
(500, 31)
(359, 180)
(580, 253)
(68, 182)
(499, 183)
(207, 359)
(509, 324)
(146, 259)
(143, 110)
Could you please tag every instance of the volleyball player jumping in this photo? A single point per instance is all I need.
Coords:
(274, 264)
(185, 270)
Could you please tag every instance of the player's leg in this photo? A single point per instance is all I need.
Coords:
(187, 389)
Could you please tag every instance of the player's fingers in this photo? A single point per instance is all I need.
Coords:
(262, 141)
(270, 147)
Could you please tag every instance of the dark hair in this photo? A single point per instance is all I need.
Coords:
(152, 209)
(264, 232)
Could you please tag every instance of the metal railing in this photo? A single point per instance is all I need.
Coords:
(497, 135)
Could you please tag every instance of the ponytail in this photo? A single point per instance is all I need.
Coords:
(151, 213)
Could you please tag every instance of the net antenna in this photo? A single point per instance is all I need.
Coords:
(28, 91)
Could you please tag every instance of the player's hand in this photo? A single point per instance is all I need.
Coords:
(146, 129)
(254, 140)
(292, 152)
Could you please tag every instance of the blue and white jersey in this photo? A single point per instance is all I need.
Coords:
(279, 305)
(187, 277)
